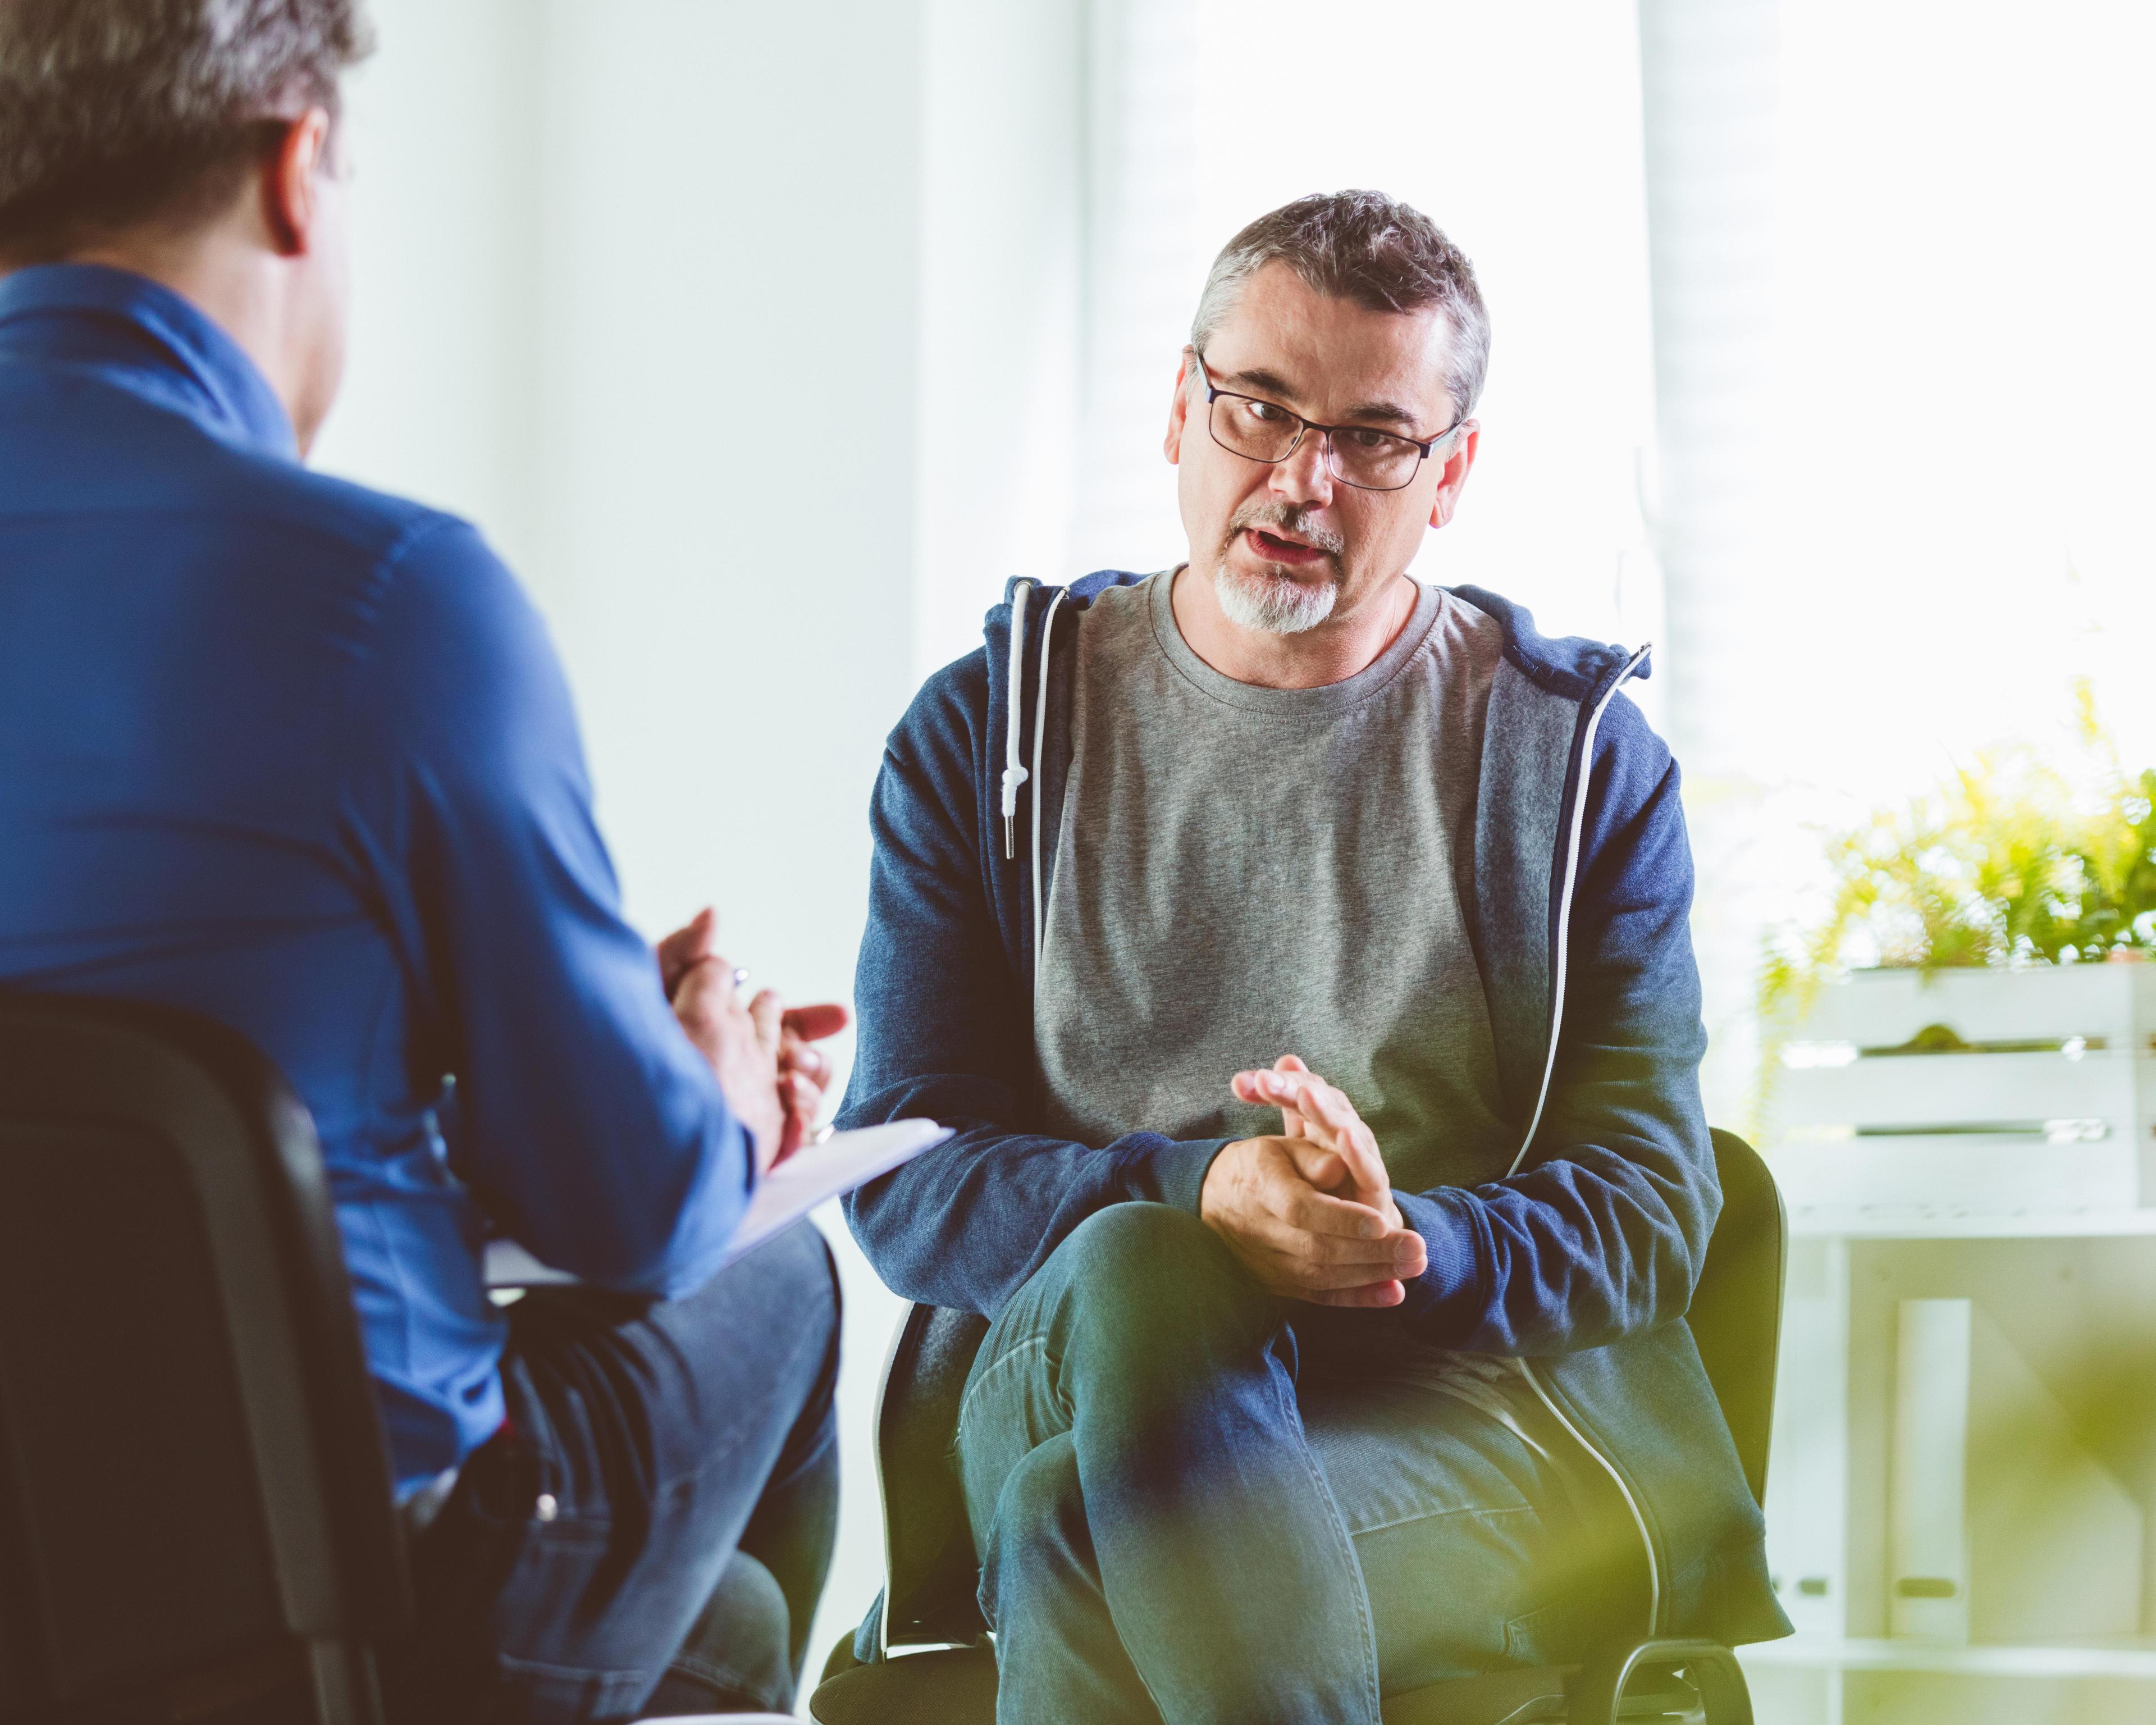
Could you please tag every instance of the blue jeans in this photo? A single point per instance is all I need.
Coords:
(1195, 1501)
(649, 1533)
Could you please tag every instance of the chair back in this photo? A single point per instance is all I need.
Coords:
(1736, 1315)
(931, 1571)
(195, 1518)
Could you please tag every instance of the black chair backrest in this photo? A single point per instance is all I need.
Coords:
(1736, 1319)
(194, 1495)
(1736, 1314)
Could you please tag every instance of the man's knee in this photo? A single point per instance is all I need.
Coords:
(1149, 1270)
(738, 1657)
(1136, 1245)
(1136, 1250)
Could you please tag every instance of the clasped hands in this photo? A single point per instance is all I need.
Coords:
(1310, 1212)
(763, 1055)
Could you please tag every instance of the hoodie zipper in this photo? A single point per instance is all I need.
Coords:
(1040, 740)
(1534, 1123)
(1014, 772)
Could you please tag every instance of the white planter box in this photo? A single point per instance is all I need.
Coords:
(2050, 1105)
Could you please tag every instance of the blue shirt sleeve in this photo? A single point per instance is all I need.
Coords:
(590, 1128)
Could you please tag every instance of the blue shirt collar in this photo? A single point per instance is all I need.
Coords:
(143, 337)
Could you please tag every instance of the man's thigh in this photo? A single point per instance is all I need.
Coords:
(1475, 1550)
(583, 1543)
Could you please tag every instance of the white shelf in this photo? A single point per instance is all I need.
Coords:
(1945, 1225)
(2096, 1659)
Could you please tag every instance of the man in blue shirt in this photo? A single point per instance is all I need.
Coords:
(300, 756)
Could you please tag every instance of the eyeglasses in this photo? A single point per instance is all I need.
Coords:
(1357, 455)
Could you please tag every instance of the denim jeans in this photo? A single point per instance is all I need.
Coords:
(1194, 1502)
(649, 1533)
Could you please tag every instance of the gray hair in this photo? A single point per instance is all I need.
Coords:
(116, 113)
(1363, 246)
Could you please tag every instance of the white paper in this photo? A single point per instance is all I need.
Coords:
(808, 1178)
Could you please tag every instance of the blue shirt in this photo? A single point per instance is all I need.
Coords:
(300, 756)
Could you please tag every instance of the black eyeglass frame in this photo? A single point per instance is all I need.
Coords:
(1422, 447)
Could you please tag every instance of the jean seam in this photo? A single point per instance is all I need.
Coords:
(1028, 1345)
(1439, 1515)
(726, 1678)
(1358, 1591)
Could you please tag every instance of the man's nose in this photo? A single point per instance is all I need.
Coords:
(1305, 476)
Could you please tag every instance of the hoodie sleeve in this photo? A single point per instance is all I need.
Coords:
(945, 1033)
(1602, 1233)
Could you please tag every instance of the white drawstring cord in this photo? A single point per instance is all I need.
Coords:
(1014, 772)
(1564, 900)
(1039, 736)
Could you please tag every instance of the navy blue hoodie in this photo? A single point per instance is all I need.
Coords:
(1578, 1258)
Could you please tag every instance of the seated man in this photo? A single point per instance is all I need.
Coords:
(299, 756)
(1284, 1411)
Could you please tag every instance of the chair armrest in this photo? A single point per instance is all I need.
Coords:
(1598, 1692)
(726, 1719)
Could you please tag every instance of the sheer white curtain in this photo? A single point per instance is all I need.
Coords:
(1902, 251)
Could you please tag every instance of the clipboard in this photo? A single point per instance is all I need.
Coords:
(813, 1174)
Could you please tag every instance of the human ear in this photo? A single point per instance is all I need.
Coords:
(1454, 475)
(1178, 412)
(290, 198)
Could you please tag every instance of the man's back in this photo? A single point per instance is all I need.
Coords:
(182, 615)
(298, 757)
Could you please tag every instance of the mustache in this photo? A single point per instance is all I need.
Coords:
(1293, 516)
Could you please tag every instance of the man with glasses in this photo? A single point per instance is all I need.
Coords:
(1301, 954)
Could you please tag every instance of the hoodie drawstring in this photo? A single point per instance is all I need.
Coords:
(1014, 772)
(1039, 742)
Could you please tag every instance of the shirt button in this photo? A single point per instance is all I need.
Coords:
(546, 1509)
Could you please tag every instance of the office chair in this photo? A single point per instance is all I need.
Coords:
(928, 1601)
(196, 1519)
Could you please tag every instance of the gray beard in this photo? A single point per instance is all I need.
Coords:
(1276, 604)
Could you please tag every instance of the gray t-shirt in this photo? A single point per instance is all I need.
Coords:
(1244, 872)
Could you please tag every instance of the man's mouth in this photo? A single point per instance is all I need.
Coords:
(1275, 547)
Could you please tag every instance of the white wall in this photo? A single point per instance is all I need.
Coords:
(437, 395)
(1001, 282)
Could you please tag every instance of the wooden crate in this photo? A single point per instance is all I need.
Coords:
(2041, 1095)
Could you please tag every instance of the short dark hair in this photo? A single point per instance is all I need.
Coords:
(118, 113)
(1372, 250)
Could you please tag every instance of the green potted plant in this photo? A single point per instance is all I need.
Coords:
(1964, 922)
